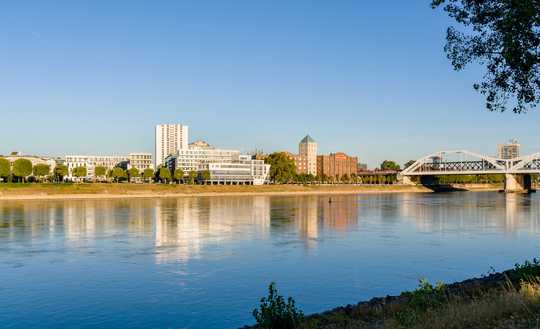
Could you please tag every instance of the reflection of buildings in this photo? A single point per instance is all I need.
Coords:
(179, 225)
(179, 229)
(183, 226)
(341, 214)
(306, 218)
(77, 220)
(481, 211)
(312, 214)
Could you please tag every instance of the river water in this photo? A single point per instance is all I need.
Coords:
(204, 262)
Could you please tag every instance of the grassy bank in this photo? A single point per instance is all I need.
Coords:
(510, 299)
(8, 191)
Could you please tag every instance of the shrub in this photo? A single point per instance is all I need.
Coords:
(274, 313)
(528, 270)
(425, 297)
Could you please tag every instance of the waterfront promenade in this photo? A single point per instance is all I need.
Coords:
(121, 191)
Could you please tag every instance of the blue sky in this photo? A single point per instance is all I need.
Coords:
(366, 78)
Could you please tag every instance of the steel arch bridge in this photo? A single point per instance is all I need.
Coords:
(462, 162)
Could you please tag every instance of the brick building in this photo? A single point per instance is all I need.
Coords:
(336, 165)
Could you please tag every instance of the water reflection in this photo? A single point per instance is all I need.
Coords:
(181, 227)
(485, 211)
(163, 262)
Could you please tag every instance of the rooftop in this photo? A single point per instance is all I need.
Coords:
(307, 139)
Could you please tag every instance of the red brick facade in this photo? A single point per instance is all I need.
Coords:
(336, 164)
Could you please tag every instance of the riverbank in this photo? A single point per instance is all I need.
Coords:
(113, 191)
(509, 299)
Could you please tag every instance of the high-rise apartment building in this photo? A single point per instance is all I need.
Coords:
(509, 150)
(306, 160)
(169, 139)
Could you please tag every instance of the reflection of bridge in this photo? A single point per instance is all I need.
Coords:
(517, 171)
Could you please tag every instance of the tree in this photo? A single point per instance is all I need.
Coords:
(345, 178)
(148, 174)
(79, 172)
(204, 176)
(504, 36)
(60, 171)
(192, 175)
(408, 164)
(100, 171)
(22, 168)
(5, 168)
(178, 175)
(389, 165)
(274, 312)
(132, 173)
(164, 174)
(40, 170)
(282, 167)
(118, 174)
(324, 178)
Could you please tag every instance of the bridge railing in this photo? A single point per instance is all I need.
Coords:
(435, 164)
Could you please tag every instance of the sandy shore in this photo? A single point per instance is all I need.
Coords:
(43, 195)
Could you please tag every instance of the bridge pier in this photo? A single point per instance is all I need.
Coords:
(406, 180)
(517, 183)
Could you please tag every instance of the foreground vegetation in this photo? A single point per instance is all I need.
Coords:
(510, 299)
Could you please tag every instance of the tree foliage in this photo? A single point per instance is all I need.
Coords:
(148, 174)
(100, 171)
(22, 168)
(274, 312)
(5, 168)
(132, 173)
(503, 35)
(178, 175)
(79, 172)
(118, 174)
(204, 175)
(60, 171)
(164, 174)
(282, 167)
(41, 169)
(389, 165)
(192, 175)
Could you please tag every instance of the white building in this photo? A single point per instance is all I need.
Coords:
(243, 170)
(93, 161)
(35, 159)
(169, 139)
(225, 166)
(197, 154)
(509, 150)
(141, 161)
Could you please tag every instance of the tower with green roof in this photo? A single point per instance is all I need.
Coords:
(307, 150)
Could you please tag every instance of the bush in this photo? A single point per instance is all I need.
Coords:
(274, 313)
(528, 270)
(425, 297)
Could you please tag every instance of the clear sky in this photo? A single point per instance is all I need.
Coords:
(365, 77)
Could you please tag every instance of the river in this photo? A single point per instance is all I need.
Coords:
(204, 262)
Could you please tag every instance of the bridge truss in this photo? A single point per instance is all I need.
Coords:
(464, 162)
